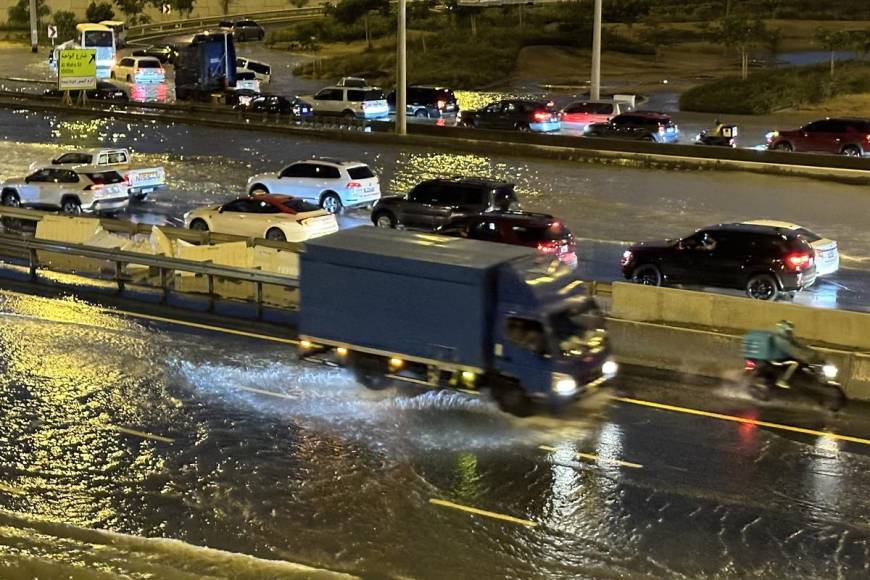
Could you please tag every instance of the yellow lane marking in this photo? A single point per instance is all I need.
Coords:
(596, 458)
(479, 512)
(135, 433)
(12, 489)
(169, 320)
(737, 419)
(265, 392)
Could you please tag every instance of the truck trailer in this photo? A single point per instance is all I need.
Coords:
(444, 312)
(205, 66)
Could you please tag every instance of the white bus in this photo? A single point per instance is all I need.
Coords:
(102, 38)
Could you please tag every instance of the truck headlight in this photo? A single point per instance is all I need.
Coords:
(830, 371)
(564, 385)
(609, 368)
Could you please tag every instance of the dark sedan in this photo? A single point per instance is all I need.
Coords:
(516, 114)
(276, 105)
(166, 53)
(105, 91)
(640, 126)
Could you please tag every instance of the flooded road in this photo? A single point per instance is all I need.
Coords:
(231, 447)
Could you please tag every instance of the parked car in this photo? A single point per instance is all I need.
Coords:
(431, 204)
(139, 181)
(247, 81)
(535, 230)
(276, 104)
(330, 183)
(165, 53)
(73, 191)
(262, 70)
(827, 253)
(639, 125)
(582, 113)
(247, 30)
(517, 114)
(426, 102)
(139, 69)
(105, 91)
(279, 218)
(766, 262)
(350, 103)
(836, 136)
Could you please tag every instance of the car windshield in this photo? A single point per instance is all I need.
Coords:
(808, 235)
(360, 172)
(148, 64)
(99, 38)
(503, 197)
(263, 69)
(578, 328)
(299, 206)
(105, 177)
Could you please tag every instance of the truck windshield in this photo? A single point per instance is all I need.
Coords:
(578, 327)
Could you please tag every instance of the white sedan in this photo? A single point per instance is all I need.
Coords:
(330, 183)
(827, 255)
(274, 217)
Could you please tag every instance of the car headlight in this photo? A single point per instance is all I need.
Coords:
(830, 371)
(626, 257)
(564, 385)
(609, 368)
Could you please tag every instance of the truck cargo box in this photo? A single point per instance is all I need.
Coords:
(415, 294)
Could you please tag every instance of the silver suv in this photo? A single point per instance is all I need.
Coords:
(73, 191)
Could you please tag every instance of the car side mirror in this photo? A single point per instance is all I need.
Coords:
(681, 245)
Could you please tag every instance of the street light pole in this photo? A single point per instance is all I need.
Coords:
(595, 93)
(401, 73)
(34, 38)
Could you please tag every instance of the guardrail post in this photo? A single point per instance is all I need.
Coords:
(119, 272)
(210, 278)
(34, 260)
(163, 285)
(258, 296)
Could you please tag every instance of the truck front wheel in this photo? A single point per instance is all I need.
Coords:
(512, 399)
(370, 372)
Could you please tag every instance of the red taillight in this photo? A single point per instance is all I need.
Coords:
(749, 365)
(798, 262)
(127, 180)
(552, 246)
(354, 185)
(542, 116)
(867, 138)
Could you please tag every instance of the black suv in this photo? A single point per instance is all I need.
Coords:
(433, 203)
(764, 261)
(639, 125)
(427, 102)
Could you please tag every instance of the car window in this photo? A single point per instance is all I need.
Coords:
(261, 206)
(82, 158)
(126, 62)
(263, 69)
(808, 235)
(65, 176)
(624, 120)
(509, 107)
(299, 206)
(503, 197)
(527, 334)
(297, 170)
(148, 63)
(355, 96)
(820, 127)
(324, 171)
(423, 193)
(105, 177)
(117, 157)
(39, 176)
(329, 95)
(493, 108)
(486, 230)
(239, 205)
(360, 172)
(241, 63)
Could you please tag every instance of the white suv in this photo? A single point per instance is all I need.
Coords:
(350, 102)
(73, 191)
(139, 69)
(330, 183)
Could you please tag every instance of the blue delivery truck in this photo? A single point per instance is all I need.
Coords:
(447, 312)
(204, 66)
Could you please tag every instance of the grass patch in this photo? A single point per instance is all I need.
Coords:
(772, 90)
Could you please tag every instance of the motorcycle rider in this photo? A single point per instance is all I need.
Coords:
(785, 351)
(718, 125)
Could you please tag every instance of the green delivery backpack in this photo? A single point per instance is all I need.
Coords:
(759, 345)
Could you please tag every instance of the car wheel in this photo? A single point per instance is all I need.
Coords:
(385, 220)
(331, 202)
(851, 151)
(349, 115)
(421, 114)
(513, 400)
(647, 274)
(129, 79)
(470, 123)
(258, 189)
(276, 235)
(762, 287)
(370, 372)
(649, 139)
(199, 225)
(261, 35)
(783, 146)
(71, 206)
(523, 128)
(11, 199)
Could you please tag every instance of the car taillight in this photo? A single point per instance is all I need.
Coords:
(541, 116)
(867, 137)
(797, 262)
(549, 247)
(626, 258)
(749, 365)
(354, 185)
(127, 180)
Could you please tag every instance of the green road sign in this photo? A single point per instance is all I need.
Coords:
(77, 69)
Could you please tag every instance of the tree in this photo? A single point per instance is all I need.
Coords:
(19, 15)
(350, 11)
(132, 9)
(66, 25)
(97, 12)
(225, 6)
(183, 7)
(834, 40)
(742, 33)
(658, 37)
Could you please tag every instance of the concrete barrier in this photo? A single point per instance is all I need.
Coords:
(714, 354)
(837, 328)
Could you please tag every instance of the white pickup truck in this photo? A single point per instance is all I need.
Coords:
(140, 181)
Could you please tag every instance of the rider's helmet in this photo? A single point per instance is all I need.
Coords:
(785, 328)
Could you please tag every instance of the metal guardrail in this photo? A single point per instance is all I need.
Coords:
(183, 25)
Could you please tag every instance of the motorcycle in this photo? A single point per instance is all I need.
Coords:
(725, 137)
(817, 379)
